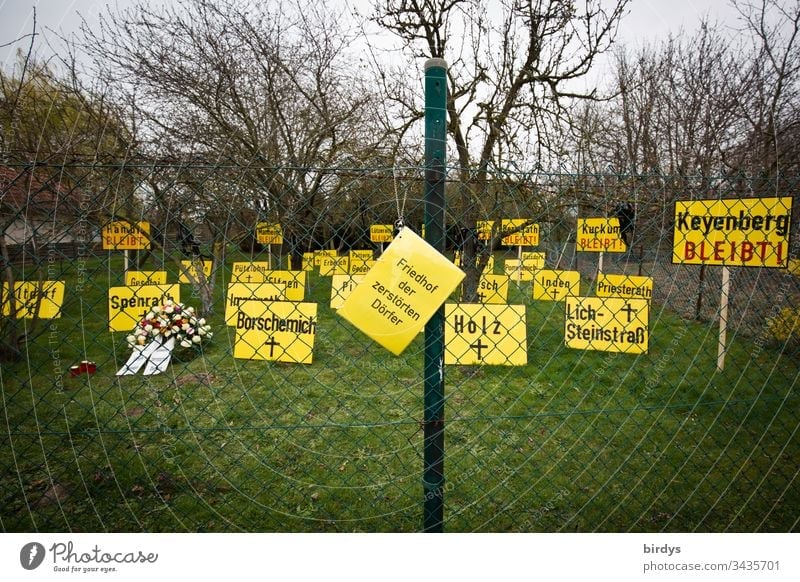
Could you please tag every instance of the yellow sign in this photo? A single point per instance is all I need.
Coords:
(324, 253)
(556, 285)
(381, 233)
(488, 267)
(279, 331)
(493, 289)
(400, 293)
(136, 278)
(190, 267)
(741, 232)
(128, 305)
(308, 261)
(523, 270)
(484, 229)
(121, 235)
(607, 324)
(294, 283)
(630, 286)
(485, 334)
(362, 255)
(527, 236)
(252, 272)
(358, 267)
(599, 235)
(329, 266)
(48, 294)
(341, 287)
(269, 233)
(239, 293)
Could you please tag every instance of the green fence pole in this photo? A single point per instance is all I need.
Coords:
(435, 138)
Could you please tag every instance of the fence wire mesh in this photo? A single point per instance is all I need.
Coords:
(291, 419)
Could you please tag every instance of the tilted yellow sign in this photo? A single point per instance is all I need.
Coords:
(523, 270)
(329, 266)
(239, 293)
(269, 233)
(341, 287)
(279, 331)
(121, 235)
(607, 324)
(318, 255)
(493, 289)
(549, 285)
(485, 334)
(128, 305)
(47, 295)
(405, 286)
(599, 235)
(741, 232)
(630, 286)
(135, 278)
(308, 261)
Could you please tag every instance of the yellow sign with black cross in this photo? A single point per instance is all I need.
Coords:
(189, 268)
(401, 291)
(485, 334)
(128, 305)
(47, 295)
(493, 289)
(607, 324)
(280, 331)
(550, 285)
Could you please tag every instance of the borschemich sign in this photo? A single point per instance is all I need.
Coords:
(743, 232)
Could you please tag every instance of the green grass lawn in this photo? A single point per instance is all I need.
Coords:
(573, 441)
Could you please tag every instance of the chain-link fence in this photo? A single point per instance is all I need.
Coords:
(584, 391)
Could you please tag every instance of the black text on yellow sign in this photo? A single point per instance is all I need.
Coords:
(190, 269)
(607, 324)
(381, 233)
(401, 291)
(280, 331)
(330, 266)
(268, 233)
(485, 335)
(743, 232)
(526, 234)
(631, 286)
(552, 285)
(41, 299)
(308, 262)
(341, 287)
(523, 270)
(259, 272)
(121, 235)
(599, 235)
(493, 289)
(239, 293)
(135, 278)
(127, 305)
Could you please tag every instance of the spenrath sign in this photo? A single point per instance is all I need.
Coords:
(401, 291)
(607, 324)
(741, 232)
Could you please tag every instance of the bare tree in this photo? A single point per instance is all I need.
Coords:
(512, 71)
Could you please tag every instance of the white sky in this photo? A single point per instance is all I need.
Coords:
(647, 21)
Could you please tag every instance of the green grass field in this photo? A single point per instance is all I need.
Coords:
(573, 441)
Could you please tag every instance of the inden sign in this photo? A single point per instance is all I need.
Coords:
(401, 291)
(556, 285)
(742, 232)
(485, 334)
(607, 324)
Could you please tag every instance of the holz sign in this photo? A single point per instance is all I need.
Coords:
(485, 334)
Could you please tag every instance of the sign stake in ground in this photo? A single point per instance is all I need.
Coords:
(735, 232)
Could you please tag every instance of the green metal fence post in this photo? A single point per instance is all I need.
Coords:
(435, 138)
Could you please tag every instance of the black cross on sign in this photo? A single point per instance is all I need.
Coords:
(479, 346)
(630, 311)
(554, 292)
(271, 343)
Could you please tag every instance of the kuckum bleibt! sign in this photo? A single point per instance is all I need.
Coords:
(742, 232)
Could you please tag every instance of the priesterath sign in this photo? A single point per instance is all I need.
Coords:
(743, 232)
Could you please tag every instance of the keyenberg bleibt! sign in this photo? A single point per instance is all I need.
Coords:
(741, 232)
(401, 291)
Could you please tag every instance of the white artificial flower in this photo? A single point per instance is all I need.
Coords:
(150, 315)
(156, 309)
(185, 327)
(196, 339)
(148, 328)
(131, 339)
(169, 309)
(201, 321)
(186, 344)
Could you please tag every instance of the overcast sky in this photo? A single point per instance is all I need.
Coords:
(648, 19)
